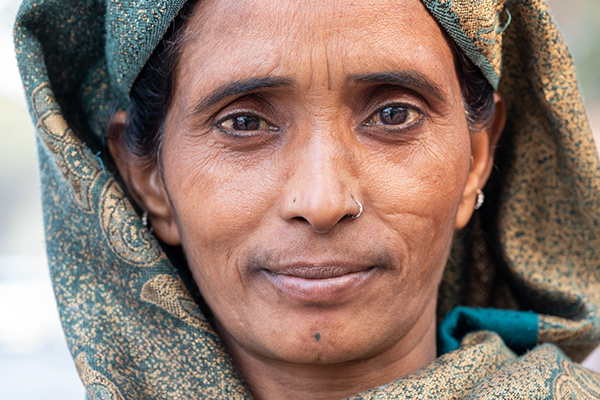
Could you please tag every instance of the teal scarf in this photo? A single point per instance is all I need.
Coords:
(520, 296)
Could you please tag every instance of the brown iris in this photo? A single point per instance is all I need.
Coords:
(245, 123)
(393, 115)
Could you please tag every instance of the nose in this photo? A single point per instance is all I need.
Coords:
(321, 185)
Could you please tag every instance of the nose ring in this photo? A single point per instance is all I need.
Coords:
(360, 206)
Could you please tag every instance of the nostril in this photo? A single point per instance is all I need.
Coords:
(322, 210)
(318, 228)
(321, 226)
(301, 219)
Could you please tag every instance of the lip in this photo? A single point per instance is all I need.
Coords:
(319, 283)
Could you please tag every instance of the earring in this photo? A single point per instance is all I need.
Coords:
(146, 222)
(480, 199)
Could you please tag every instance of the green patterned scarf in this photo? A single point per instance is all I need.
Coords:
(520, 296)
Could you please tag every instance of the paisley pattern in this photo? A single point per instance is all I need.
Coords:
(127, 237)
(78, 167)
(575, 382)
(97, 385)
(135, 330)
(170, 294)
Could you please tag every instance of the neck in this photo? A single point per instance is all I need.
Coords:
(277, 379)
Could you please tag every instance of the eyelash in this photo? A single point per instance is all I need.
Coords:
(241, 133)
(410, 110)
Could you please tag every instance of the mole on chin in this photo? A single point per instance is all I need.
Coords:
(317, 336)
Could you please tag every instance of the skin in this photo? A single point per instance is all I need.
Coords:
(258, 211)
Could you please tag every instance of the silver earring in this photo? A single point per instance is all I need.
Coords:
(360, 210)
(146, 222)
(480, 199)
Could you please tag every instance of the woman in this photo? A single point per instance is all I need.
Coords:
(311, 172)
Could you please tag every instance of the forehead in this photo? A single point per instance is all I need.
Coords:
(313, 41)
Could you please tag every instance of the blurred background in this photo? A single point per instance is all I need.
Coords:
(34, 360)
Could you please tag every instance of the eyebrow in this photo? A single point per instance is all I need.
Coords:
(239, 87)
(404, 78)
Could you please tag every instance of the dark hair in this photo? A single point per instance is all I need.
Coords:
(477, 92)
(153, 89)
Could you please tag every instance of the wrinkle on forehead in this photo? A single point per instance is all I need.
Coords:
(314, 41)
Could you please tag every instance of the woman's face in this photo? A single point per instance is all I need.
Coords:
(285, 114)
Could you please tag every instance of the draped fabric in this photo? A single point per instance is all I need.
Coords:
(518, 305)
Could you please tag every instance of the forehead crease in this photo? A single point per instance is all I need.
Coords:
(280, 18)
(267, 38)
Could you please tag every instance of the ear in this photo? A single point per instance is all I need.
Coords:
(483, 144)
(144, 182)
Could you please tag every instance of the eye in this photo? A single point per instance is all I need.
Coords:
(245, 125)
(394, 116)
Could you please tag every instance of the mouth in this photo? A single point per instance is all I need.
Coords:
(323, 283)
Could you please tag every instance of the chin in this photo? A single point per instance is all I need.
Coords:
(364, 328)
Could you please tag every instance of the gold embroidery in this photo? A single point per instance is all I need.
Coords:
(123, 229)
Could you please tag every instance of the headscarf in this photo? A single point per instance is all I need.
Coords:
(520, 295)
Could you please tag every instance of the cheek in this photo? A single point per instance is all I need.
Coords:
(417, 194)
(219, 205)
(215, 199)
